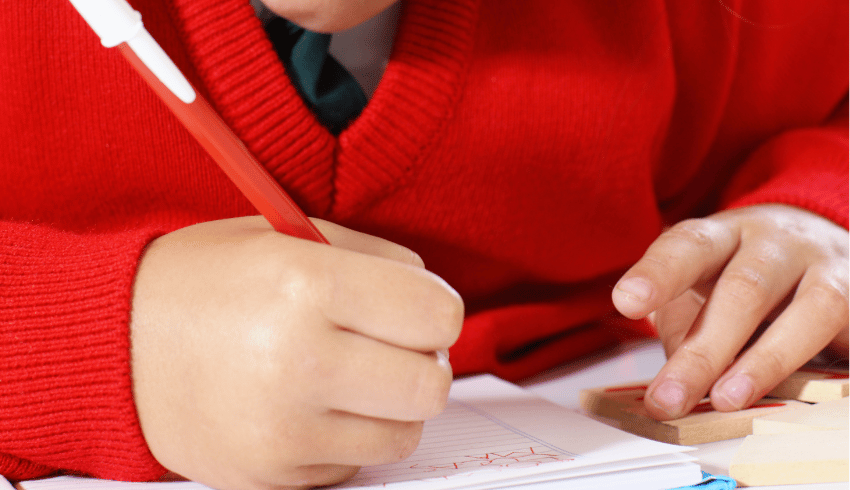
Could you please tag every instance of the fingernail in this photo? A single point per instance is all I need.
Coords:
(670, 397)
(636, 289)
(737, 390)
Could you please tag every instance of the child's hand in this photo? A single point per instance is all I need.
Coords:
(327, 15)
(712, 282)
(261, 361)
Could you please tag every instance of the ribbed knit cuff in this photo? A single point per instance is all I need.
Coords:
(66, 400)
(806, 168)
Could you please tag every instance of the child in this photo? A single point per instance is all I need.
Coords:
(690, 155)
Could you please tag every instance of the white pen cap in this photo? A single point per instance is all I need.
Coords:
(114, 21)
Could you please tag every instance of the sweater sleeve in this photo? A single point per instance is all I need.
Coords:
(66, 400)
(805, 167)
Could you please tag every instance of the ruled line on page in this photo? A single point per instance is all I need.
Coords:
(464, 439)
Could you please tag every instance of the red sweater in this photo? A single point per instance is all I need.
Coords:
(529, 151)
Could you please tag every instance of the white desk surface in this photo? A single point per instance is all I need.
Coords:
(637, 362)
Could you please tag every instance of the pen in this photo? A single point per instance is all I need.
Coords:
(117, 24)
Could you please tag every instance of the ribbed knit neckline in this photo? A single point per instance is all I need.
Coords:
(330, 176)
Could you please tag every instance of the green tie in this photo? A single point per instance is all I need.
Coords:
(328, 89)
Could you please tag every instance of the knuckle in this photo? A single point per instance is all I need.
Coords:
(295, 280)
(698, 233)
(398, 253)
(839, 248)
(830, 293)
(682, 246)
(699, 360)
(413, 258)
(769, 254)
(654, 265)
(774, 364)
(745, 285)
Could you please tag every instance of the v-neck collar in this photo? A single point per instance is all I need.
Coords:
(328, 176)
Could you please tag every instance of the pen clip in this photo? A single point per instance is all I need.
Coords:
(115, 22)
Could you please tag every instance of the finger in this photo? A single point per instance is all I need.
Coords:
(349, 439)
(674, 320)
(342, 237)
(378, 380)
(753, 283)
(688, 253)
(396, 303)
(817, 313)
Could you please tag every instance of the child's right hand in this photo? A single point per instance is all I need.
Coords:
(264, 361)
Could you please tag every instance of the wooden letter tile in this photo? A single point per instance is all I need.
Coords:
(795, 458)
(610, 401)
(703, 424)
(831, 415)
(624, 405)
(813, 385)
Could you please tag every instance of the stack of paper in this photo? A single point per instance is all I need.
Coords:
(494, 434)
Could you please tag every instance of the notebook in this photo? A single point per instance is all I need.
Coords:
(494, 434)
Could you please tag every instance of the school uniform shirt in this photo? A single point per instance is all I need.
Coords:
(528, 151)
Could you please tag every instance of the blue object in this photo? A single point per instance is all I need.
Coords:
(712, 482)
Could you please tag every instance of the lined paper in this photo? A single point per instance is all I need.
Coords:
(494, 434)
(463, 439)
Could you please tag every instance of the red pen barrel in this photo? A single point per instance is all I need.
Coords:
(199, 118)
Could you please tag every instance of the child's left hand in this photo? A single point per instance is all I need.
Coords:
(711, 283)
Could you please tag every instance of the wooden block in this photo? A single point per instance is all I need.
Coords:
(611, 400)
(831, 415)
(624, 404)
(703, 424)
(814, 385)
(802, 457)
